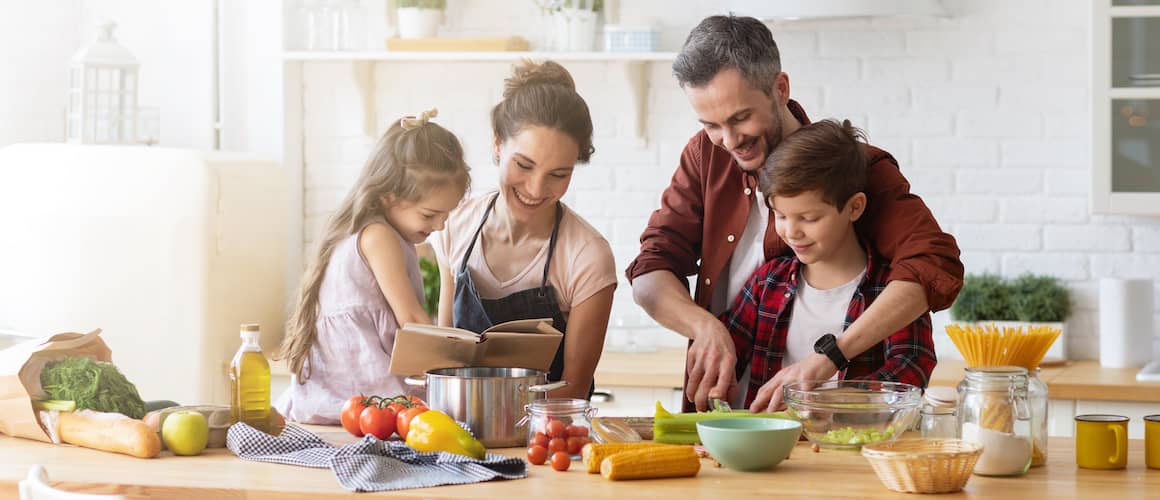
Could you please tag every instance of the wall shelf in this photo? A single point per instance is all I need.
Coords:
(385, 56)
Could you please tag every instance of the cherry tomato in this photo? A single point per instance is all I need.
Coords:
(416, 401)
(561, 461)
(540, 439)
(577, 431)
(403, 424)
(351, 411)
(557, 444)
(574, 444)
(537, 454)
(557, 429)
(378, 422)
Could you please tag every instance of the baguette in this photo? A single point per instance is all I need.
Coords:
(109, 432)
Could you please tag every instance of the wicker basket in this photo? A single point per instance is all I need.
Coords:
(923, 465)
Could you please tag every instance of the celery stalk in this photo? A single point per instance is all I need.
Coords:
(681, 428)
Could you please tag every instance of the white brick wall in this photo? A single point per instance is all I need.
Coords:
(988, 113)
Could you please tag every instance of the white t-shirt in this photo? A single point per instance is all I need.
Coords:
(581, 265)
(816, 313)
(747, 257)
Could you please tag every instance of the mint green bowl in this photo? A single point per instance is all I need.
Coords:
(750, 443)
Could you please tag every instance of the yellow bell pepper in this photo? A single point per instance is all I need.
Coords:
(434, 430)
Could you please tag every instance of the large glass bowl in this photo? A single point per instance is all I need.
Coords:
(851, 413)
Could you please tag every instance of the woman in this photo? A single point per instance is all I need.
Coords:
(518, 252)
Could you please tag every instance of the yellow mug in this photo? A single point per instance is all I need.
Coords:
(1152, 441)
(1101, 441)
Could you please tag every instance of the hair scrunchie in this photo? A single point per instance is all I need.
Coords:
(412, 122)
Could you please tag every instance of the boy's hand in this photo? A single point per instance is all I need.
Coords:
(711, 361)
(769, 397)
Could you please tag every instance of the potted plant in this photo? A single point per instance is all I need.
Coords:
(420, 18)
(1026, 300)
(571, 24)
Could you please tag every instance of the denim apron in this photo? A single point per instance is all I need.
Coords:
(471, 312)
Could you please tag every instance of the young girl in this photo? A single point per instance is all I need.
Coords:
(519, 252)
(365, 281)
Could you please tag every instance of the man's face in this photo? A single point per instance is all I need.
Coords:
(738, 117)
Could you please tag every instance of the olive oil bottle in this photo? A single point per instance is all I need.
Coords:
(250, 382)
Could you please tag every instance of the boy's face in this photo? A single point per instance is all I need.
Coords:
(814, 229)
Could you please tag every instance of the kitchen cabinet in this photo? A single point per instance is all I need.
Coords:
(1126, 107)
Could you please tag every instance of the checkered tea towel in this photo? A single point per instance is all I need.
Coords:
(370, 464)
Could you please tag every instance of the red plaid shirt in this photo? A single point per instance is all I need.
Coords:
(759, 322)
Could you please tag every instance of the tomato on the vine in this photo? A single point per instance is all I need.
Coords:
(403, 424)
(378, 422)
(351, 412)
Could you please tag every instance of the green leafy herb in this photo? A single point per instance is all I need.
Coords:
(93, 385)
(430, 272)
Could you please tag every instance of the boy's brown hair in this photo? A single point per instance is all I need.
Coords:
(824, 156)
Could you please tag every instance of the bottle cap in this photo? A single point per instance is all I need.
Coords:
(250, 327)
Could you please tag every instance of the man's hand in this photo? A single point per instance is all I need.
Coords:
(815, 367)
(712, 359)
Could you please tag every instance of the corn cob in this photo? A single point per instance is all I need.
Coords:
(595, 453)
(669, 461)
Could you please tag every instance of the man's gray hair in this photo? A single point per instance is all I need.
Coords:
(721, 42)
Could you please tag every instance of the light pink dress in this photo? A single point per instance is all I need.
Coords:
(356, 331)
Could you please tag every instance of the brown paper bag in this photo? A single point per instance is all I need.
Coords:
(20, 367)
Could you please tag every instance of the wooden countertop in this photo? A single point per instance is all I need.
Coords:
(219, 474)
(1071, 380)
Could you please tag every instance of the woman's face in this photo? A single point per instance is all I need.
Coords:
(535, 168)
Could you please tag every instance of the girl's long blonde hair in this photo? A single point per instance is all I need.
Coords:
(412, 158)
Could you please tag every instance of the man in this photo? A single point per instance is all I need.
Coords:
(714, 223)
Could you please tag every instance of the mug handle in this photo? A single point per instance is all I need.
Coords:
(1120, 451)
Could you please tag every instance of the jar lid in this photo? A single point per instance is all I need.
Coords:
(940, 396)
(613, 430)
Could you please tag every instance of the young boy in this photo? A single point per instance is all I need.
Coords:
(796, 306)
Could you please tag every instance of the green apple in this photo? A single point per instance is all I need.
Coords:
(185, 432)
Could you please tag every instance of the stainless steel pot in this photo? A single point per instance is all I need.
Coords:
(490, 400)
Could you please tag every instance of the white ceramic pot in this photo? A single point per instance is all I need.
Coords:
(573, 30)
(419, 23)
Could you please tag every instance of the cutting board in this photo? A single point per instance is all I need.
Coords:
(514, 43)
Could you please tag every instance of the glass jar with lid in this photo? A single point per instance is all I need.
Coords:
(1037, 399)
(559, 424)
(938, 413)
(993, 412)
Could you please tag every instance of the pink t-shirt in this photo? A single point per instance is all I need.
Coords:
(581, 265)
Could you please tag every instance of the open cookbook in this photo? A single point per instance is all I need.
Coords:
(525, 343)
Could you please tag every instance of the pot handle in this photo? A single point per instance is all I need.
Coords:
(550, 386)
(417, 381)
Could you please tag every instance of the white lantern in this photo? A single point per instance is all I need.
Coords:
(102, 100)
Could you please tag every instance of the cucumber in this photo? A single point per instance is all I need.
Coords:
(159, 404)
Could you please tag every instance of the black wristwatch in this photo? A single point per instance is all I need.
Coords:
(828, 344)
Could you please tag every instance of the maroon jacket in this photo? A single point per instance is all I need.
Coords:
(708, 201)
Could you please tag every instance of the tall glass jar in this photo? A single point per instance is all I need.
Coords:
(559, 424)
(1037, 399)
(993, 412)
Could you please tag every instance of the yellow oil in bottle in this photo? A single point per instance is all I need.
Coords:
(250, 382)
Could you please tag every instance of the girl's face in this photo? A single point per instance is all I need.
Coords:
(535, 168)
(416, 220)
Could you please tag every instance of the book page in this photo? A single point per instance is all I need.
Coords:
(521, 326)
(441, 331)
